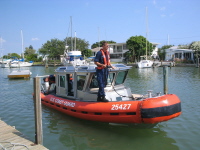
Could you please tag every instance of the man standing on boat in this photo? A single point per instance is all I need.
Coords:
(102, 60)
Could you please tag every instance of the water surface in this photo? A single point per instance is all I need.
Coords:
(67, 133)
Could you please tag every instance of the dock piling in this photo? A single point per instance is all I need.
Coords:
(165, 79)
(38, 112)
(197, 63)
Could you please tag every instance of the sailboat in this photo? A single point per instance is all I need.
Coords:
(72, 56)
(144, 62)
(21, 63)
(16, 74)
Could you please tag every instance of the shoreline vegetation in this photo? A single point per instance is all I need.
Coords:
(159, 64)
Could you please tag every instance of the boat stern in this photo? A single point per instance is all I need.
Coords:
(159, 109)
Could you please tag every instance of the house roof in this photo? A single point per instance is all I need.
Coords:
(96, 49)
(176, 49)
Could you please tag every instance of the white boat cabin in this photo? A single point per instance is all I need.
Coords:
(83, 85)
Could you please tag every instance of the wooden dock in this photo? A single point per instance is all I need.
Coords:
(10, 138)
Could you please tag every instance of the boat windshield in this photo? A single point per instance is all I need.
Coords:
(121, 76)
(94, 82)
(110, 78)
(80, 82)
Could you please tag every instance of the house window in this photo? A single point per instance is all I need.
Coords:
(124, 46)
(119, 48)
(115, 56)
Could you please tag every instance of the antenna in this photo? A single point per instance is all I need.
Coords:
(71, 35)
(1, 41)
(98, 38)
(22, 44)
(75, 42)
(146, 29)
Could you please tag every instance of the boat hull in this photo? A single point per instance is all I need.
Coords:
(19, 74)
(21, 64)
(140, 112)
(145, 64)
(4, 65)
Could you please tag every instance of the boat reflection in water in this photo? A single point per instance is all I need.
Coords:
(75, 133)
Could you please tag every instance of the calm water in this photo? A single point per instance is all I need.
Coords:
(66, 133)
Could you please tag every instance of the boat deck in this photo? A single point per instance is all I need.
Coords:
(10, 138)
(20, 74)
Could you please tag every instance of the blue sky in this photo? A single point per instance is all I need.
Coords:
(117, 20)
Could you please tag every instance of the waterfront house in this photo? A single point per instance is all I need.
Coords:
(174, 53)
(117, 51)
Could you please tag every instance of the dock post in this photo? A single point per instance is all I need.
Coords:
(197, 63)
(46, 63)
(38, 112)
(165, 79)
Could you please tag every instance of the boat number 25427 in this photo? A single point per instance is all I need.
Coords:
(120, 106)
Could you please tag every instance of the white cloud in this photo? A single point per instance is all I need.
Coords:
(162, 8)
(2, 40)
(154, 2)
(163, 15)
(87, 4)
(35, 39)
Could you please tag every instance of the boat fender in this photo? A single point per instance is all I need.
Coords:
(155, 110)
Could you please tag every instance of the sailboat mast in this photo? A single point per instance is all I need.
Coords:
(98, 38)
(22, 44)
(1, 48)
(146, 29)
(75, 42)
(71, 35)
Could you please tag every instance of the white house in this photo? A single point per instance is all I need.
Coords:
(117, 51)
(182, 54)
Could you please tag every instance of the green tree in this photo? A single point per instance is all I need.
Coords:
(53, 48)
(137, 46)
(97, 44)
(195, 46)
(29, 54)
(162, 52)
(87, 52)
(29, 51)
(13, 55)
(81, 44)
(32, 57)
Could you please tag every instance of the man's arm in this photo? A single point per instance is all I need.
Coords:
(99, 64)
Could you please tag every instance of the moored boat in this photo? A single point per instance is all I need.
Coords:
(6, 63)
(15, 74)
(145, 64)
(79, 99)
(21, 64)
(148, 111)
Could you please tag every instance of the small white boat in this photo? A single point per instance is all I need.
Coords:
(21, 64)
(6, 63)
(145, 64)
(19, 74)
